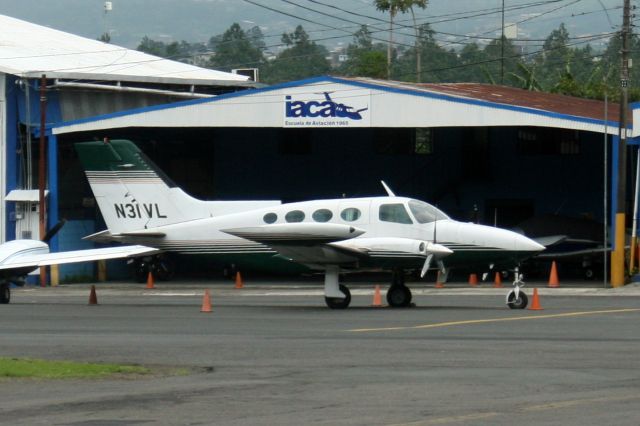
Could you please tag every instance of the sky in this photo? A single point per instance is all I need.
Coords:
(329, 21)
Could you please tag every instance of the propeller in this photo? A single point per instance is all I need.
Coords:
(432, 250)
(427, 263)
(53, 231)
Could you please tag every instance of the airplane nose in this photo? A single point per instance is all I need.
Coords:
(527, 244)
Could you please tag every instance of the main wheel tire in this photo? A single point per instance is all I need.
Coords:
(337, 302)
(164, 269)
(517, 303)
(399, 296)
(141, 272)
(5, 294)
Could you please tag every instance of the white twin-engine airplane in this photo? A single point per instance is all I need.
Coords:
(141, 205)
(20, 257)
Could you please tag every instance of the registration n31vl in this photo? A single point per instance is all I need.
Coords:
(141, 205)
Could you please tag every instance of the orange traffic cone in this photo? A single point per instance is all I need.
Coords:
(535, 303)
(150, 283)
(206, 302)
(553, 276)
(93, 298)
(473, 279)
(497, 283)
(377, 299)
(439, 284)
(239, 283)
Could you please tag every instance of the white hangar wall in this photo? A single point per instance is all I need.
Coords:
(358, 105)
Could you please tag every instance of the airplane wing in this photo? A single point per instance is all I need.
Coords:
(317, 244)
(45, 259)
(574, 253)
(305, 243)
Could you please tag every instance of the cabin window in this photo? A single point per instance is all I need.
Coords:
(322, 215)
(294, 216)
(351, 214)
(425, 213)
(396, 213)
(270, 218)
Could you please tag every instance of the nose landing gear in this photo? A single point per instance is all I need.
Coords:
(516, 298)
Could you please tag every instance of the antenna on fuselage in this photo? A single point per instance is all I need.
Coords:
(386, 188)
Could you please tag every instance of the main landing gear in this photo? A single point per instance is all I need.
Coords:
(398, 295)
(338, 296)
(161, 267)
(516, 298)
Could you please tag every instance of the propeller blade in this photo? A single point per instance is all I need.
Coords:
(427, 263)
(53, 231)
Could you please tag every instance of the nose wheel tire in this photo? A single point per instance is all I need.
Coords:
(519, 302)
(337, 302)
(399, 296)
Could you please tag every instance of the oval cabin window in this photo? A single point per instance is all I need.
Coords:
(294, 216)
(322, 215)
(270, 218)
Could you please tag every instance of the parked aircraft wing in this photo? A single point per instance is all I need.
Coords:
(297, 233)
(551, 240)
(574, 253)
(44, 259)
(305, 243)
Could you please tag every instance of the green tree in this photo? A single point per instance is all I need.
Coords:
(409, 5)
(365, 59)
(443, 64)
(472, 61)
(555, 56)
(392, 7)
(525, 77)
(501, 58)
(302, 58)
(152, 47)
(235, 49)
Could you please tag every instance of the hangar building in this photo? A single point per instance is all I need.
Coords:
(492, 154)
(84, 78)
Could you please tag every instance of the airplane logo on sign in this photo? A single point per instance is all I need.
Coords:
(326, 108)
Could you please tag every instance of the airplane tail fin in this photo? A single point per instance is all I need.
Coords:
(134, 194)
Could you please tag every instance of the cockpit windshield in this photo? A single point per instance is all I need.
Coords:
(425, 213)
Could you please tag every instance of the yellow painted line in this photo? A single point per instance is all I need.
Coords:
(559, 405)
(494, 320)
(452, 419)
(578, 402)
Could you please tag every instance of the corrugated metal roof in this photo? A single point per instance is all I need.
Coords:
(551, 102)
(29, 50)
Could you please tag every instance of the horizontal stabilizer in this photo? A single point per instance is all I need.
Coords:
(144, 234)
(107, 237)
(297, 233)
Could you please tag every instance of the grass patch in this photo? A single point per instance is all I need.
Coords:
(42, 369)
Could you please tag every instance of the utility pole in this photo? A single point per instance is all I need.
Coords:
(618, 275)
(42, 205)
(502, 48)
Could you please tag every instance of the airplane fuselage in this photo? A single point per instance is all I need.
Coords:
(378, 217)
